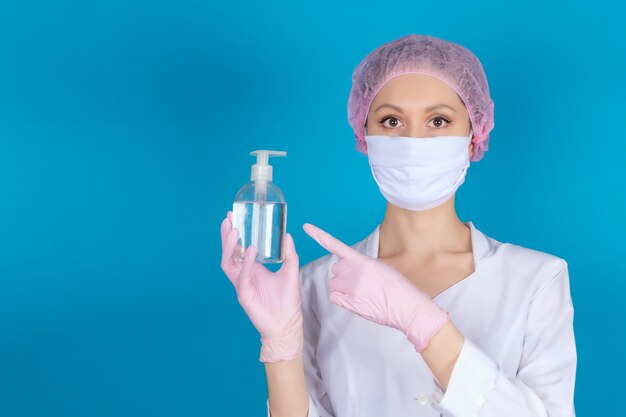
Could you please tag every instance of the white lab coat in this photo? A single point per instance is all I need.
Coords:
(518, 359)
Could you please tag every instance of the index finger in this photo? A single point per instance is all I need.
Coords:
(329, 243)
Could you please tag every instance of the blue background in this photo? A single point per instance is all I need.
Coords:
(125, 128)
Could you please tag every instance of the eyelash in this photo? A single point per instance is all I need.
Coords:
(397, 118)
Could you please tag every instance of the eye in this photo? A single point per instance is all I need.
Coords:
(439, 119)
(394, 122)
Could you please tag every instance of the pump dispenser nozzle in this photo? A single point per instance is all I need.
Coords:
(262, 170)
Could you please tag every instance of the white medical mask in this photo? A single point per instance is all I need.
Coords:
(418, 173)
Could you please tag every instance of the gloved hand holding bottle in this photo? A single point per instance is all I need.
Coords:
(378, 292)
(272, 300)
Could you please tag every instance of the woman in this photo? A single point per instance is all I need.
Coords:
(426, 316)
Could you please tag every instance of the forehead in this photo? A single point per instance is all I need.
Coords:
(417, 89)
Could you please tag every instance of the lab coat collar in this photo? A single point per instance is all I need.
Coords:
(481, 244)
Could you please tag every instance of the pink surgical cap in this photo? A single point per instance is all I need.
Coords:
(448, 61)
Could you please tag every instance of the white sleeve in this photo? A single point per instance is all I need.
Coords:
(319, 401)
(544, 384)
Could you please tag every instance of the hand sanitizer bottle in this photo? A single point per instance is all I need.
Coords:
(260, 212)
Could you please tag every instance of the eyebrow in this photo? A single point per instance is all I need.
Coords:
(429, 108)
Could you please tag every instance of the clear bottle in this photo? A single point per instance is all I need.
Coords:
(260, 212)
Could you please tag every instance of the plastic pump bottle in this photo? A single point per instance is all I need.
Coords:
(260, 212)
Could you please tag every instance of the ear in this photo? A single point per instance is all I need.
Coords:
(471, 149)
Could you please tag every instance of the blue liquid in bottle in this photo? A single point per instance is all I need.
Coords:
(261, 224)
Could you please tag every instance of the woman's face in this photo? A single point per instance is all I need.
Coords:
(417, 105)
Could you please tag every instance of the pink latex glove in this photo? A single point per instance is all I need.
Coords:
(272, 300)
(378, 292)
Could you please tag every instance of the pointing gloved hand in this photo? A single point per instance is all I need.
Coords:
(378, 292)
(272, 300)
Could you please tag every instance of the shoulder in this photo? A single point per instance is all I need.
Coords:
(523, 256)
(534, 268)
(316, 271)
(313, 278)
